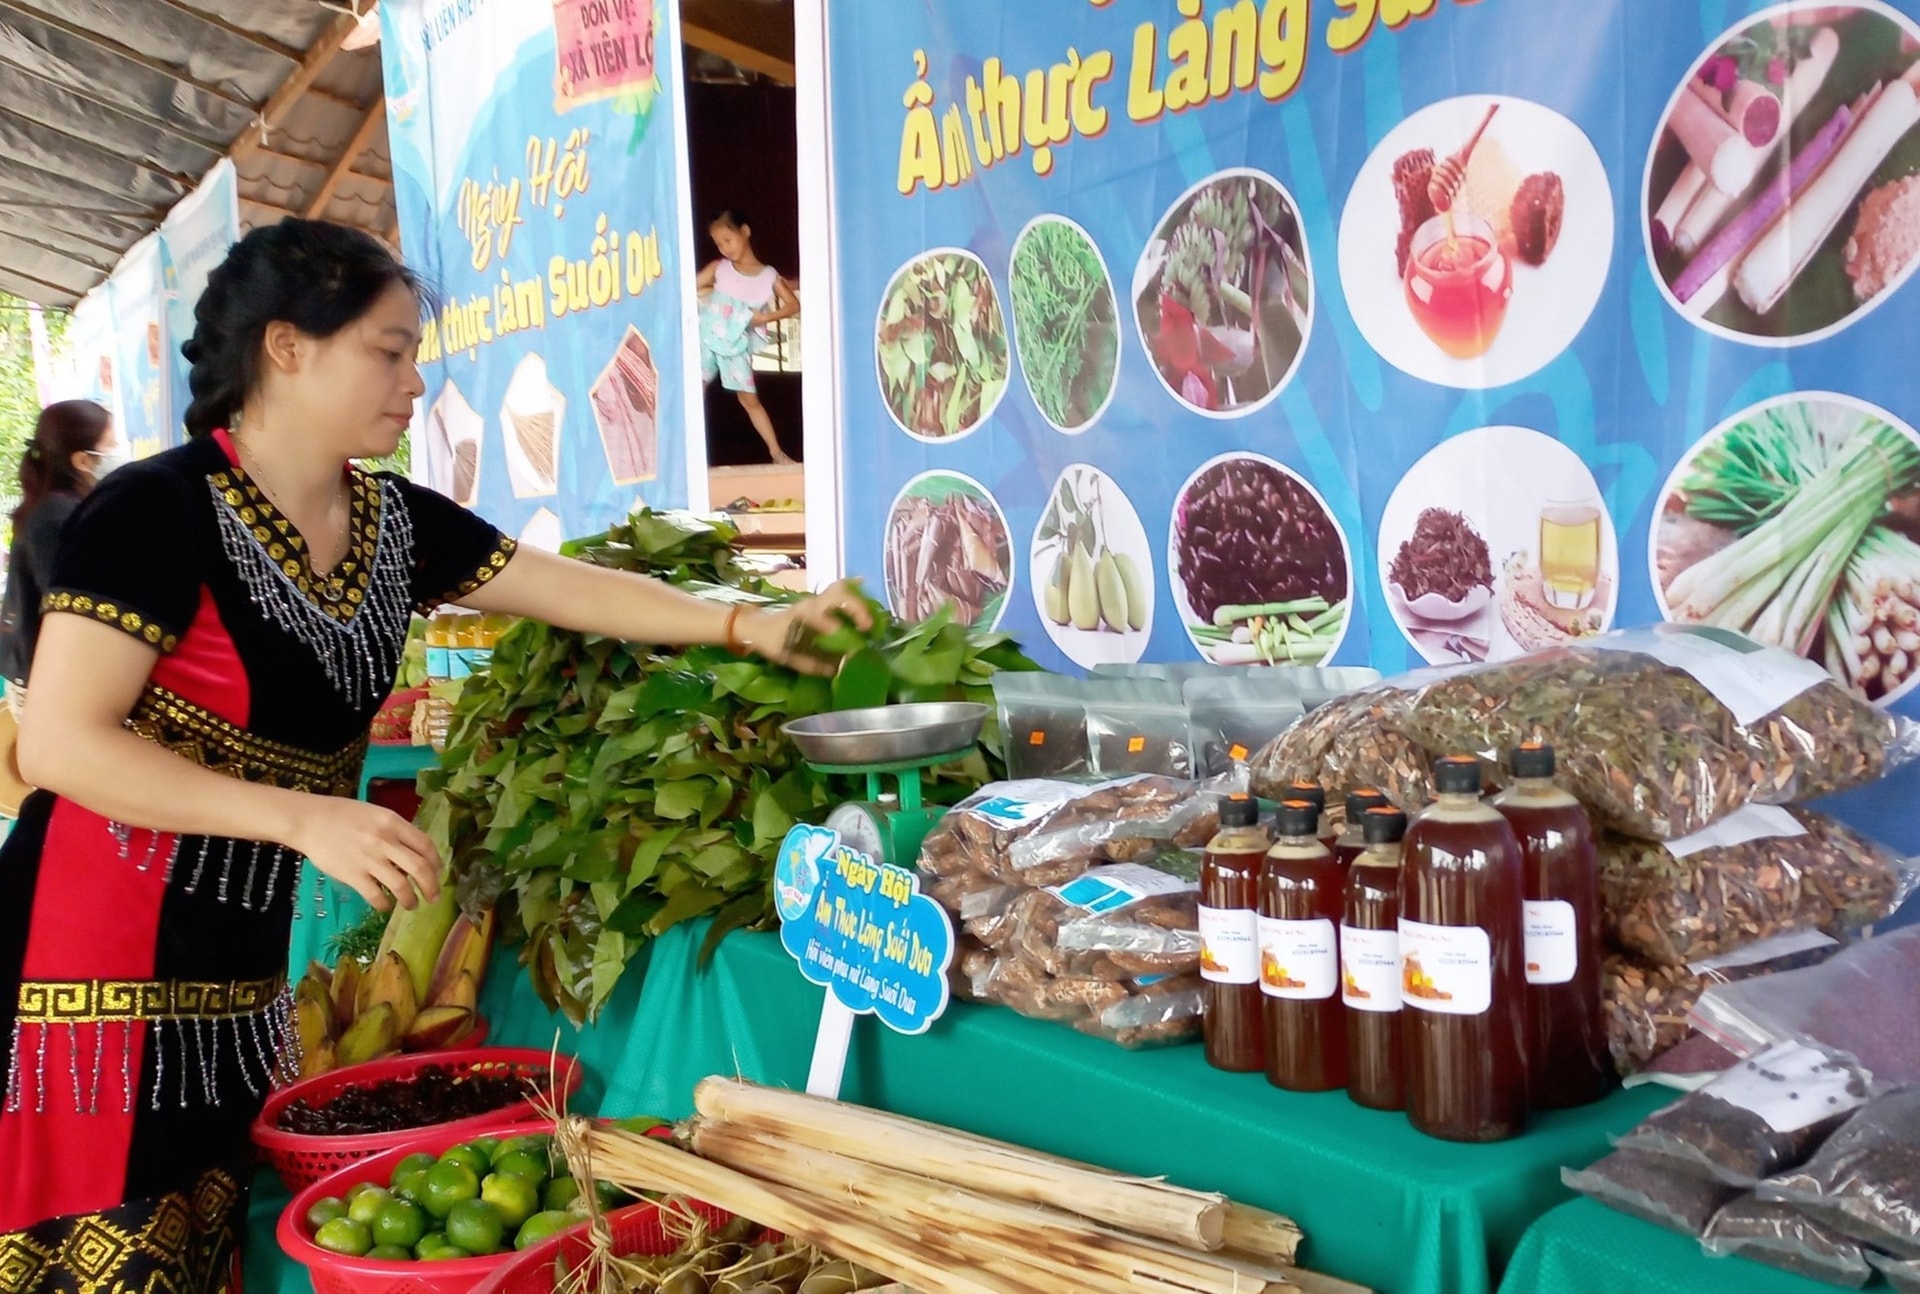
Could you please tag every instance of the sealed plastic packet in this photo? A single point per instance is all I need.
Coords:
(1759, 872)
(1138, 725)
(1763, 1116)
(1120, 922)
(1902, 1274)
(1860, 1003)
(1779, 1235)
(1652, 1188)
(1865, 1181)
(1354, 741)
(1234, 715)
(1668, 730)
(1043, 720)
(1159, 1013)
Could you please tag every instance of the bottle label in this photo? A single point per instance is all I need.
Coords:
(1446, 969)
(1370, 969)
(1229, 945)
(1553, 941)
(1299, 960)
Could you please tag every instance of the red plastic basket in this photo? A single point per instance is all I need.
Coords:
(393, 724)
(333, 1273)
(637, 1229)
(302, 1160)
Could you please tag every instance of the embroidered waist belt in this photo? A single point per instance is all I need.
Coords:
(100, 1001)
(190, 730)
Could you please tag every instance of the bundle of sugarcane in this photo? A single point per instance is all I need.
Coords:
(942, 1211)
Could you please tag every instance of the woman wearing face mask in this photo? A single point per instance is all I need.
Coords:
(73, 446)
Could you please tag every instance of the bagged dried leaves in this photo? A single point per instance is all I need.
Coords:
(1350, 742)
(1761, 872)
(1648, 1005)
(1663, 733)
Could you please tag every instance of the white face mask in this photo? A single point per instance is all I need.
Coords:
(107, 460)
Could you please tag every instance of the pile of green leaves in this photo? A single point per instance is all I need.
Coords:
(604, 793)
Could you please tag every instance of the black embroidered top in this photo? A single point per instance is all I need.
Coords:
(142, 974)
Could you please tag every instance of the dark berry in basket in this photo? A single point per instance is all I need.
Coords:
(435, 1094)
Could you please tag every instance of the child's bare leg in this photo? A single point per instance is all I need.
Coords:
(763, 423)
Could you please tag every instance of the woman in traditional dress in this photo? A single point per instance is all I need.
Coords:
(222, 623)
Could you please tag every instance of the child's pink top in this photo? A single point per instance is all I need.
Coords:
(754, 290)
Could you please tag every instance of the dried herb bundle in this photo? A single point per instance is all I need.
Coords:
(1349, 743)
(1445, 555)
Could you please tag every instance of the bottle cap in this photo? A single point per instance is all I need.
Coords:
(1308, 791)
(1239, 811)
(1457, 775)
(1384, 826)
(1531, 759)
(1297, 818)
(1358, 802)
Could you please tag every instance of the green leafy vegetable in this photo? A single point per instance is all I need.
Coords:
(941, 345)
(611, 792)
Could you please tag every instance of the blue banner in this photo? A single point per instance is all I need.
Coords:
(142, 395)
(540, 178)
(1382, 332)
(194, 240)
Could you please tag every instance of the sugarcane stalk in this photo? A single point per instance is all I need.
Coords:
(1092, 1257)
(1145, 1207)
(1263, 1234)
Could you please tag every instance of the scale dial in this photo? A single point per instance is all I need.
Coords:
(863, 827)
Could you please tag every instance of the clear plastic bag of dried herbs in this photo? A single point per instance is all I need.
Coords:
(1765, 1115)
(1120, 922)
(1351, 742)
(1654, 1189)
(1652, 749)
(1043, 720)
(1781, 1236)
(1865, 1181)
(1761, 872)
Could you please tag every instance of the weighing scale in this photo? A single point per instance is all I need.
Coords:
(892, 741)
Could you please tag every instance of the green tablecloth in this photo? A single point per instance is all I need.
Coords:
(1582, 1248)
(1380, 1204)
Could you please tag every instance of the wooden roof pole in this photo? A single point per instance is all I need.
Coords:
(734, 51)
(312, 66)
(355, 146)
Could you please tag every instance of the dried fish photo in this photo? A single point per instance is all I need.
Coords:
(1795, 522)
(1476, 240)
(947, 544)
(1258, 566)
(940, 345)
(1783, 185)
(1065, 325)
(1495, 543)
(1223, 293)
(1093, 570)
(530, 422)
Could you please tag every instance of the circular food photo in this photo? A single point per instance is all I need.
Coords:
(1259, 569)
(1783, 185)
(947, 544)
(1794, 522)
(1093, 570)
(1475, 241)
(1496, 543)
(1223, 295)
(1065, 323)
(940, 345)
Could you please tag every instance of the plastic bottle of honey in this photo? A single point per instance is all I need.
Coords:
(1230, 939)
(1462, 978)
(1370, 966)
(1302, 887)
(1567, 1057)
(1315, 794)
(1352, 841)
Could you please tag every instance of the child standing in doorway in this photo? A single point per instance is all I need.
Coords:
(742, 296)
